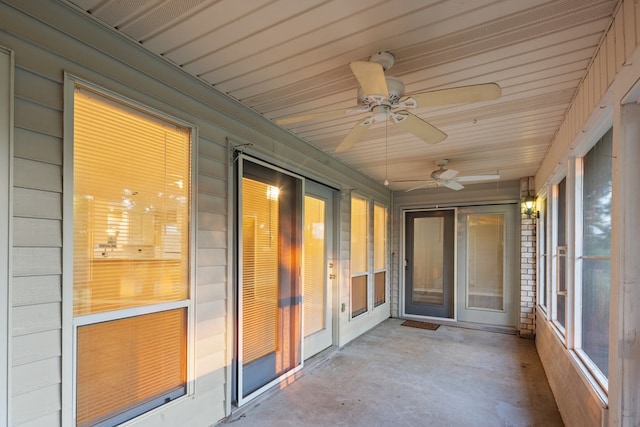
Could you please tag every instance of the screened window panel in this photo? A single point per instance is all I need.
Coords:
(359, 226)
(428, 267)
(358, 295)
(596, 252)
(131, 207)
(379, 292)
(314, 265)
(260, 265)
(130, 365)
(485, 261)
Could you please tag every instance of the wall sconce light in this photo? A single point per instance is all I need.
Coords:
(529, 203)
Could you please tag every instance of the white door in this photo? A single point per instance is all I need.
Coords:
(488, 260)
(319, 269)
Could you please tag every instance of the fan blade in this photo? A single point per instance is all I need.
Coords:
(354, 135)
(424, 184)
(370, 76)
(458, 95)
(477, 178)
(418, 127)
(452, 185)
(448, 174)
(304, 117)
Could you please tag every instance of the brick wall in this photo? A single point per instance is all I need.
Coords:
(527, 324)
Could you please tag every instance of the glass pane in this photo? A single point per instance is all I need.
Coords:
(137, 362)
(597, 243)
(260, 249)
(314, 265)
(542, 248)
(428, 265)
(595, 311)
(485, 260)
(131, 207)
(359, 214)
(358, 295)
(379, 291)
(379, 237)
(561, 279)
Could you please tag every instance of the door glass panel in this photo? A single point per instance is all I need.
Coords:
(485, 261)
(270, 328)
(428, 265)
(259, 269)
(314, 265)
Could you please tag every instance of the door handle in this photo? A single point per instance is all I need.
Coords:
(406, 263)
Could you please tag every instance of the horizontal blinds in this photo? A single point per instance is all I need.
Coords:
(380, 281)
(126, 363)
(260, 264)
(358, 295)
(359, 224)
(379, 237)
(314, 265)
(131, 206)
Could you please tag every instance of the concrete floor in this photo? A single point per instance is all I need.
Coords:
(395, 375)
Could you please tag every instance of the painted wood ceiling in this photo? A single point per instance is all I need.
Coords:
(291, 57)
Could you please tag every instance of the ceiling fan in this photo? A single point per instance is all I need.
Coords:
(449, 178)
(382, 98)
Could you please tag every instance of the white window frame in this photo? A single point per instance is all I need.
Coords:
(599, 382)
(542, 251)
(70, 323)
(553, 261)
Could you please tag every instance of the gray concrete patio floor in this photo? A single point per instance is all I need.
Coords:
(395, 375)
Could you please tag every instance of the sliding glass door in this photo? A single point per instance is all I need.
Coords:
(269, 294)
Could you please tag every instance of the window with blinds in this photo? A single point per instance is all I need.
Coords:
(131, 199)
(379, 254)
(359, 255)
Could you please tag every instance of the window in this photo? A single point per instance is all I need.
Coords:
(596, 252)
(561, 256)
(359, 255)
(131, 240)
(542, 254)
(379, 254)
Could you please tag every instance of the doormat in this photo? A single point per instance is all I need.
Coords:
(421, 325)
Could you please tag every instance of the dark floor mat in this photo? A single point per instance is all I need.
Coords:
(421, 325)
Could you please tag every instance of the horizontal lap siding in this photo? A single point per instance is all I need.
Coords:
(617, 47)
(36, 285)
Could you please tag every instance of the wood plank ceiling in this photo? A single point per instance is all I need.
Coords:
(291, 57)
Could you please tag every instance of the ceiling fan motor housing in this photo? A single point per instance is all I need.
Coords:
(396, 91)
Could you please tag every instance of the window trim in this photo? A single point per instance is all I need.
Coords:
(69, 323)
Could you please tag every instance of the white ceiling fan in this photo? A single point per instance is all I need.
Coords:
(449, 178)
(382, 98)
